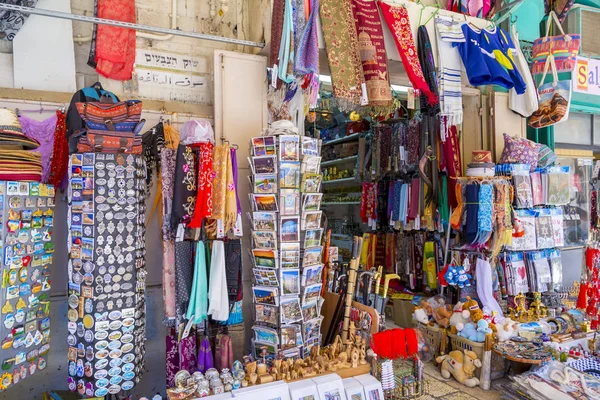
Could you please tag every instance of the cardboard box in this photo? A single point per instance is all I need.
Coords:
(403, 309)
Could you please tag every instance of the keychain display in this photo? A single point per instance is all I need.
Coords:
(28, 216)
(107, 274)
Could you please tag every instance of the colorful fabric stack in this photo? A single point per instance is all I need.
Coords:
(17, 163)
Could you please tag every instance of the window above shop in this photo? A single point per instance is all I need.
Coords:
(581, 130)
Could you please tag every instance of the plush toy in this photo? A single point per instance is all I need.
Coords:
(483, 328)
(459, 318)
(464, 278)
(451, 275)
(421, 315)
(469, 332)
(461, 365)
(474, 310)
(427, 306)
(505, 329)
(442, 315)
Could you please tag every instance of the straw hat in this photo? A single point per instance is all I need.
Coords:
(11, 133)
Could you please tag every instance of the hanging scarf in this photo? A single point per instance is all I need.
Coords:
(115, 47)
(171, 137)
(397, 192)
(220, 163)
(188, 353)
(218, 303)
(168, 276)
(199, 300)
(235, 315)
(276, 30)
(231, 207)
(390, 252)
(60, 152)
(403, 213)
(205, 356)
(184, 190)
(413, 201)
(234, 168)
(341, 42)
(223, 352)
(43, 132)
(368, 202)
(390, 201)
(153, 142)
(485, 213)
(443, 201)
(306, 61)
(428, 64)
(184, 268)
(399, 24)
(12, 21)
(451, 150)
(92, 55)
(233, 270)
(413, 137)
(168, 235)
(372, 52)
(472, 211)
(171, 357)
(299, 26)
(449, 32)
(286, 48)
(204, 197)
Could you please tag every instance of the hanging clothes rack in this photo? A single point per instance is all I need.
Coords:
(121, 24)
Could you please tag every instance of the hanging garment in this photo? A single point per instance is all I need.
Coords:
(414, 134)
(92, 55)
(451, 150)
(429, 73)
(172, 358)
(234, 168)
(115, 47)
(198, 305)
(286, 48)
(299, 25)
(472, 211)
(485, 291)
(276, 30)
(204, 198)
(399, 24)
(485, 213)
(526, 103)
(223, 352)
(341, 42)
(205, 356)
(235, 315)
(12, 21)
(153, 142)
(168, 275)
(220, 162)
(233, 256)
(218, 302)
(167, 157)
(184, 272)
(450, 87)
(188, 353)
(60, 152)
(43, 132)
(306, 61)
(372, 53)
(184, 191)
(231, 201)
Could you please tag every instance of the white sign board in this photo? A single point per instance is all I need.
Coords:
(586, 76)
(171, 77)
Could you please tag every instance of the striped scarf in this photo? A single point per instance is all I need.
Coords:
(450, 89)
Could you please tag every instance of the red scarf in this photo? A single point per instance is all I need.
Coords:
(399, 24)
(203, 207)
(451, 150)
(115, 47)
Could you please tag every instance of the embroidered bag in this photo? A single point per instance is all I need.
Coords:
(563, 48)
(555, 99)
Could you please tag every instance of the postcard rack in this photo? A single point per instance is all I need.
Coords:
(285, 196)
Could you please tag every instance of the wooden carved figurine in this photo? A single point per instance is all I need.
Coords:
(363, 354)
(354, 356)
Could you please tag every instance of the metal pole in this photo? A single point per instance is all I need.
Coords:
(121, 24)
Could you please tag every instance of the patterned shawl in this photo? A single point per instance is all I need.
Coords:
(220, 162)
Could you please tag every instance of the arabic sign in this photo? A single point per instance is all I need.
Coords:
(586, 77)
(171, 77)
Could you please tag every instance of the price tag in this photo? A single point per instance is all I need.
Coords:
(237, 229)
(418, 223)
(220, 229)
(364, 98)
(410, 100)
(274, 74)
(179, 236)
(188, 327)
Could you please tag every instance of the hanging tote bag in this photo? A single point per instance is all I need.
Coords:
(563, 47)
(555, 99)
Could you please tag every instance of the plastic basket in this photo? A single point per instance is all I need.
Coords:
(434, 334)
(497, 362)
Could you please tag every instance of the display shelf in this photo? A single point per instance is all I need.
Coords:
(351, 179)
(343, 139)
(338, 161)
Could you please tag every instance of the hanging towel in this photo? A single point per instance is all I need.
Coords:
(205, 356)
(447, 32)
(483, 272)
(399, 24)
(199, 298)
(116, 47)
(218, 303)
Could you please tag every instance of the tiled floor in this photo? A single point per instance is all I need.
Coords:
(449, 389)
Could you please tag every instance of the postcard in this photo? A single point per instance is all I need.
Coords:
(266, 295)
(264, 221)
(311, 183)
(270, 349)
(289, 255)
(312, 328)
(290, 229)
(289, 175)
(265, 258)
(265, 183)
(333, 253)
(312, 274)
(290, 281)
(290, 310)
(264, 164)
(265, 202)
(289, 200)
(310, 164)
(312, 237)
(265, 277)
(262, 334)
(289, 147)
(310, 146)
(264, 146)
(312, 256)
(264, 239)
(310, 311)
(311, 201)
(291, 336)
(311, 220)
(312, 293)
(267, 314)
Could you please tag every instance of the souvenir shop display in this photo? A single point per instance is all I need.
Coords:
(28, 215)
(107, 272)
(286, 236)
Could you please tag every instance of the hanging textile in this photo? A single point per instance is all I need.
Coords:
(115, 47)
(205, 356)
(341, 42)
(198, 305)
(428, 65)
(92, 55)
(167, 157)
(188, 353)
(60, 152)
(484, 213)
(231, 202)
(204, 196)
(372, 53)
(43, 132)
(399, 24)
(414, 134)
(171, 358)
(485, 291)
(223, 352)
(299, 25)
(153, 142)
(218, 303)
(451, 150)
(233, 270)
(12, 21)
(306, 60)
(276, 29)
(286, 48)
(220, 163)
(184, 271)
(184, 190)
(450, 87)
(368, 203)
(472, 211)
